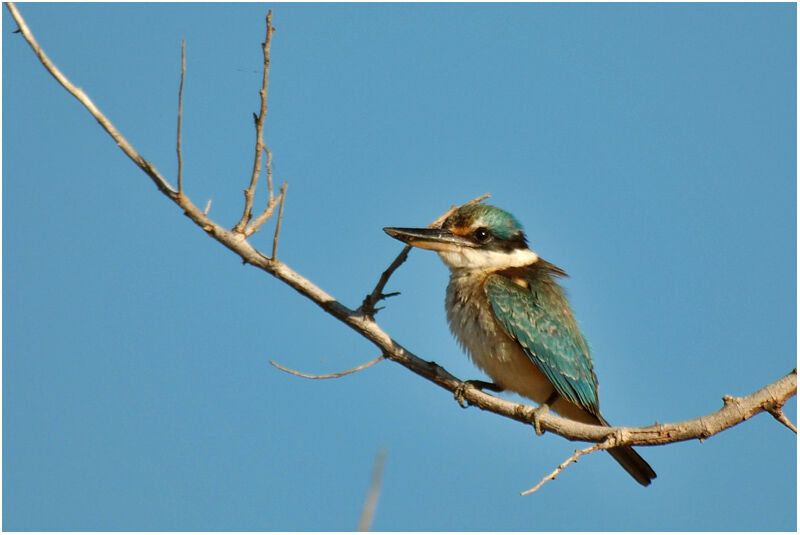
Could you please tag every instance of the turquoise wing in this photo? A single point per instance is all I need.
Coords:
(540, 319)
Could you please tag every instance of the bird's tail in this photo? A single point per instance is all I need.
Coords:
(631, 461)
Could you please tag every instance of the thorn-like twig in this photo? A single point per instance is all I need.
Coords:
(367, 307)
(572, 459)
(278, 224)
(251, 189)
(778, 414)
(368, 511)
(207, 208)
(329, 375)
(180, 116)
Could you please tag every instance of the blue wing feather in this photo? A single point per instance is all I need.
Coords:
(540, 319)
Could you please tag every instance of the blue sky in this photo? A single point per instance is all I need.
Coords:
(649, 150)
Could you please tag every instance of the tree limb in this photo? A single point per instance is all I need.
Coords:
(735, 410)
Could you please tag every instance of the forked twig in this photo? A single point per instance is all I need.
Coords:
(368, 305)
(329, 375)
(255, 224)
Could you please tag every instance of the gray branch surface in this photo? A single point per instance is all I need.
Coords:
(735, 410)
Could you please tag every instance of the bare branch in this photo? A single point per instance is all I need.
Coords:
(251, 189)
(330, 375)
(368, 512)
(278, 224)
(180, 115)
(572, 459)
(368, 305)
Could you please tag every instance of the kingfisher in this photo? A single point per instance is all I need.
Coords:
(510, 315)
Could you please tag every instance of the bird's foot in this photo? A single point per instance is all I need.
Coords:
(458, 394)
(541, 410)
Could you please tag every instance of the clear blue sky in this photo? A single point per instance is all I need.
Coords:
(649, 150)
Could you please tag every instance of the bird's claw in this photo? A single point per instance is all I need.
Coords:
(458, 394)
(461, 389)
(538, 411)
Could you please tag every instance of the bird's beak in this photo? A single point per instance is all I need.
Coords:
(435, 239)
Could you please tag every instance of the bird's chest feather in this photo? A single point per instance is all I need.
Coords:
(472, 322)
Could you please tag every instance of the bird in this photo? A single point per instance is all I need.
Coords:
(511, 316)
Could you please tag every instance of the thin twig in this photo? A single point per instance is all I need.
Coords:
(330, 375)
(208, 207)
(269, 174)
(368, 511)
(180, 115)
(278, 224)
(262, 113)
(572, 459)
(368, 305)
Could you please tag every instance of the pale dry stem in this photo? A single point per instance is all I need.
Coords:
(180, 116)
(278, 224)
(329, 375)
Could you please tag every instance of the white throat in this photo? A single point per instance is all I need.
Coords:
(479, 259)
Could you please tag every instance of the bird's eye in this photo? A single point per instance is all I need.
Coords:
(482, 234)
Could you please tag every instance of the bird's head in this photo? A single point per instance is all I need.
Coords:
(474, 237)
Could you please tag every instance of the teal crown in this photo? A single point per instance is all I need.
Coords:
(501, 223)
